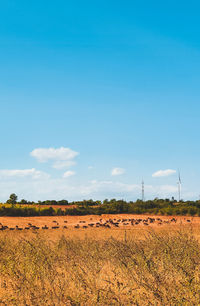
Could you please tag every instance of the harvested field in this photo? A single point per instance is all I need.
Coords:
(95, 227)
(114, 221)
(63, 207)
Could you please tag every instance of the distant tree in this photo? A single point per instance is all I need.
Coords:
(23, 201)
(13, 199)
(113, 201)
(63, 202)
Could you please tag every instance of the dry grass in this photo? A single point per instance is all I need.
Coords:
(140, 266)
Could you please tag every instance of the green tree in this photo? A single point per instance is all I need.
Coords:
(23, 201)
(13, 199)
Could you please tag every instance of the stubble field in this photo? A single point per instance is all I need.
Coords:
(120, 221)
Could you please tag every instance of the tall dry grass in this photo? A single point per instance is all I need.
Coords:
(161, 269)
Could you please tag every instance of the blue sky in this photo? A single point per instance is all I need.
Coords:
(116, 82)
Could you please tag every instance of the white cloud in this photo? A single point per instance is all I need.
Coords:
(168, 189)
(162, 173)
(164, 191)
(44, 188)
(60, 154)
(68, 174)
(110, 189)
(117, 171)
(16, 173)
(97, 188)
(63, 164)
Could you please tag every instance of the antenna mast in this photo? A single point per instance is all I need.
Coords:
(142, 191)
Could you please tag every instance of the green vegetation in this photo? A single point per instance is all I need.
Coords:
(88, 207)
(13, 199)
(162, 269)
(18, 211)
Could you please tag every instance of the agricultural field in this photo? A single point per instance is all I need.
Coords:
(38, 206)
(119, 260)
(63, 207)
(114, 222)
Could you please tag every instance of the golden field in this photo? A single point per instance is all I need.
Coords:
(74, 220)
(132, 264)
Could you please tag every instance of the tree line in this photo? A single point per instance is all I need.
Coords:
(13, 200)
(88, 207)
